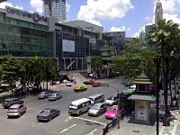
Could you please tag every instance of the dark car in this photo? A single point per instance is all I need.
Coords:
(43, 95)
(54, 96)
(48, 114)
(11, 101)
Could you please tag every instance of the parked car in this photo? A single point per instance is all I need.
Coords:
(68, 84)
(97, 84)
(80, 88)
(89, 82)
(43, 95)
(48, 114)
(97, 109)
(97, 98)
(16, 110)
(111, 100)
(11, 101)
(113, 112)
(132, 87)
(54, 96)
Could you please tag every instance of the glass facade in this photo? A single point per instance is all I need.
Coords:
(81, 45)
(24, 39)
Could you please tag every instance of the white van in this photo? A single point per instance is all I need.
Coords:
(79, 106)
(98, 98)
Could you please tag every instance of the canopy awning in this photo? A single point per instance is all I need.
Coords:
(142, 97)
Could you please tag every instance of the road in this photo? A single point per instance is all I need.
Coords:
(63, 124)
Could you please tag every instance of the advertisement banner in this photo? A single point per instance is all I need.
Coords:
(68, 46)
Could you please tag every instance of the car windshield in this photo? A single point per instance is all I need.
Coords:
(93, 99)
(53, 94)
(45, 112)
(12, 109)
(113, 110)
(73, 106)
(43, 93)
(95, 107)
(110, 98)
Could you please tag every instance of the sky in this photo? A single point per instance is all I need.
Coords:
(130, 16)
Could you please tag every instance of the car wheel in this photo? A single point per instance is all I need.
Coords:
(80, 113)
(20, 114)
(50, 118)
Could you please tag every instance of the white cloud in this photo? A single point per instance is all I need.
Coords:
(94, 22)
(173, 17)
(123, 28)
(128, 29)
(68, 6)
(4, 4)
(136, 35)
(117, 29)
(104, 9)
(37, 4)
(148, 18)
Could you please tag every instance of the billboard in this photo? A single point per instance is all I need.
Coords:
(68, 46)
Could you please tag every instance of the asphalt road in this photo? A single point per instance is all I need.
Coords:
(63, 124)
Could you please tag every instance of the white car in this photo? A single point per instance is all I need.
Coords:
(132, 87)
(110, 100)
(68, 84)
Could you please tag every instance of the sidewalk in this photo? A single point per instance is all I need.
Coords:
(132, 129)
(139, 129)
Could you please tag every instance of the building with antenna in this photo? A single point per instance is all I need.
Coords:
(158, 12)
(55, 8)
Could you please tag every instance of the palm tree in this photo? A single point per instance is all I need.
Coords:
(165, 37)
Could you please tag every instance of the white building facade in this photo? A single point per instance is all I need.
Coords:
(55, 8)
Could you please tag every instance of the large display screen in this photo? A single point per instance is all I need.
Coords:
(68, 46)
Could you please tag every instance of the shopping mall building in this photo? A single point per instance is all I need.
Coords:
(24, 35)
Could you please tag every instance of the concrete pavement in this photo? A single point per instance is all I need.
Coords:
(139, 129)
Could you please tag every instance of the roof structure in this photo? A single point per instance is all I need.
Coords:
(142, 79)
(142, 97)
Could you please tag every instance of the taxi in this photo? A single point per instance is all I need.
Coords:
(80, 88)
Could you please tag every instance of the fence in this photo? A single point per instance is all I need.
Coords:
(113, 123)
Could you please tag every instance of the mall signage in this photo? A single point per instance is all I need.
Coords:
(20, 14)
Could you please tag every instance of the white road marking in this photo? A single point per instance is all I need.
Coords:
(66, 129)
(90, 120)
(92, 132)
(68, 119)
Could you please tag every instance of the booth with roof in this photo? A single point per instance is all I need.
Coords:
(142, 97)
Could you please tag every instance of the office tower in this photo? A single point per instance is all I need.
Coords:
(158, 12)
(55, 8)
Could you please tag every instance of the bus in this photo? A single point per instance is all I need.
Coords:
(79, 106)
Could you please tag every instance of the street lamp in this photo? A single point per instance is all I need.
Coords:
(157, 61)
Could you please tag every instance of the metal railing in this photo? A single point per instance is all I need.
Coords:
(115, 121)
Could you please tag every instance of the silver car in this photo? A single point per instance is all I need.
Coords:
(54, 96)
(97, 109)
(43, 95)
(16, 110)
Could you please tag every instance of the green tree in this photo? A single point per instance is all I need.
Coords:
(166, 38)
(96, 63)
(134, 59)
(39, 70)
(10, 69)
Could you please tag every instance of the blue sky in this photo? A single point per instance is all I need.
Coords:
(114, 15)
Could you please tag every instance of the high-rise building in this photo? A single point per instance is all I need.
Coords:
(158, 12)
(55, 8)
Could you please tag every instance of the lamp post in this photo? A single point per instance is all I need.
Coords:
(157, 61)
